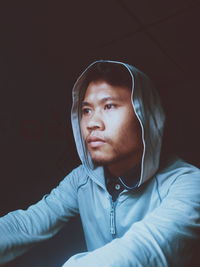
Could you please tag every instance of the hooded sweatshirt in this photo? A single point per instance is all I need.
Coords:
(157, 223)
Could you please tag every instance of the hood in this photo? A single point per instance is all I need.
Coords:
(147, 107)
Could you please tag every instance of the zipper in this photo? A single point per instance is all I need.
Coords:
(112, 219)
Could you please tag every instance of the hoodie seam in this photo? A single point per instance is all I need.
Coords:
(83, 183)
(157, 188)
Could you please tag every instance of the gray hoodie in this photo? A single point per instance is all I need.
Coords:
(156, 224)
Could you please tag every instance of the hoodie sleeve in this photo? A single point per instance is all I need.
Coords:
(20, 229)
(165, 237)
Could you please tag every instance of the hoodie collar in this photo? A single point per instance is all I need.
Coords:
(128, 180)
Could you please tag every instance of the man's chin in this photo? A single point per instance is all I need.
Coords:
(102, 161)
(98, 160)
(102, 158)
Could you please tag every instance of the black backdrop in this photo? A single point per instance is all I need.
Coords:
(43, 48)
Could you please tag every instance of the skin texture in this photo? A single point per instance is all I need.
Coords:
(110, 128)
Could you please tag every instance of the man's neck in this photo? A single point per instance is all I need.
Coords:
(117, 169)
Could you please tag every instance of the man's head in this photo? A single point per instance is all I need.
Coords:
(109, 126)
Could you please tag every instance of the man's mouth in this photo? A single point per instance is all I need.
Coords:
(94, 141)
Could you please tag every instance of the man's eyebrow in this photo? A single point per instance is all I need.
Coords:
(112, 98)
(85, 103)
(103, 100)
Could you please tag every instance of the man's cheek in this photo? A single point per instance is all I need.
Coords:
(83, 132)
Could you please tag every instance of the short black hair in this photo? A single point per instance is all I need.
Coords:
(114, 74)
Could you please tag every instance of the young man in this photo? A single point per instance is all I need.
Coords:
(134, 213)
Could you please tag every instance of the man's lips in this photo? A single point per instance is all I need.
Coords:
(94, 141)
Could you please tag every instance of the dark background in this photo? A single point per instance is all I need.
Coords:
(44, 46)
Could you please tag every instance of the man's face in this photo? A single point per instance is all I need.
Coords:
(109, 125)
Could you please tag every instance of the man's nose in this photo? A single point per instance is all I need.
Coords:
(95, 122)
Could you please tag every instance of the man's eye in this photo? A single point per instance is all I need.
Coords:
(86, 111)
(109, 106)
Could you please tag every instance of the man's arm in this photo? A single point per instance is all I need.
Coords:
(20, 229)
(165, 237)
